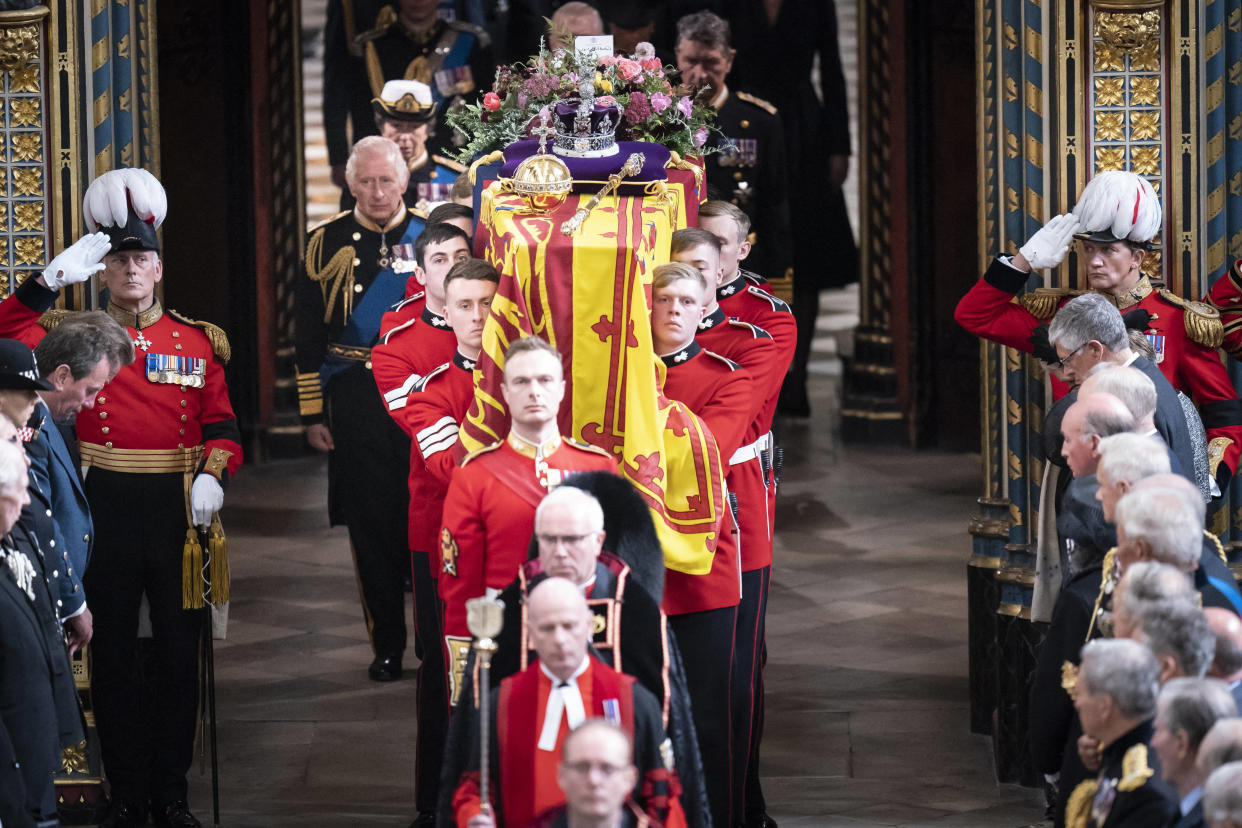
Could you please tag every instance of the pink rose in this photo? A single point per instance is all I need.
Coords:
(660, 102)
(608, 60)
(629, 69)
(700, 136)
(491, 101)
(685, 106)
(652, 64)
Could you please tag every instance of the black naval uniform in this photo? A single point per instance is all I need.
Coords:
(1128, 790)
(38, 530)
(367, 470)
(343, 72)
(749, 171)
(453, 58)
(34, 676)
(774, 62)
(1054, 726)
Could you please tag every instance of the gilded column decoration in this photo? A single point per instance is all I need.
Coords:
(123, 82)
(1128, 102)
(23, 217)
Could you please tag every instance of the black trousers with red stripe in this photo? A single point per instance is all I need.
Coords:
(433, 699)
(749, 656)
(706, 643)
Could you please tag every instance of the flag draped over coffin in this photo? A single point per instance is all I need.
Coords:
(589, 296)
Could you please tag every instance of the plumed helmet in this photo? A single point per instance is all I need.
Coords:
(1118, 206)
(129, 205)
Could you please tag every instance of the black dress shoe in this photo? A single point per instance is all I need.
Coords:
(385, 668)
(424, 821)
(124, 814)
(761, 821)
(176, 815)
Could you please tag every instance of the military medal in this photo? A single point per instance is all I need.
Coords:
(142, 342)
(384, 259)
(1157, 344)
(22, 569)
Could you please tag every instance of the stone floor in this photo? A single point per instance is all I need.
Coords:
(867, 701)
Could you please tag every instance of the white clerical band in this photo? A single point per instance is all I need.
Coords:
(566, 699)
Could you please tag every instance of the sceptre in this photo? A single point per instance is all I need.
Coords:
(485, 618)
(632, 166)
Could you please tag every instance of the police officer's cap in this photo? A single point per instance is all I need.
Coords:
(18, 369)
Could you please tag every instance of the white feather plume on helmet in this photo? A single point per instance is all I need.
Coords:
(110, 197)
(1118, 206)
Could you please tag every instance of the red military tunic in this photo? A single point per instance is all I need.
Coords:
(1186, 336)
(410, 307)
(489, 517)
(399, 362)
(168, 410)
(750, 471)
(720, 392)
(527, 773)
(1226, 297)
(744, 300)
(431, 413)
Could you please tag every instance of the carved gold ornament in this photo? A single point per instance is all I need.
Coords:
(1146, 161)
(27, 146)
(1145, 91)
(28, 215)
(1145, 126)
(1110, 158)
(1110, 126)
(18, 46)
(1128, 33)
(29, 250)
(1109, 92)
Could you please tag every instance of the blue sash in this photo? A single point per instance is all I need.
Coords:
(362, 327)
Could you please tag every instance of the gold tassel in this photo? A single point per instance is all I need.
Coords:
(192, 571)
(219, 547)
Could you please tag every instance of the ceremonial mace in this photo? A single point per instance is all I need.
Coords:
(485, 618)
(208, 688)
(631, 167)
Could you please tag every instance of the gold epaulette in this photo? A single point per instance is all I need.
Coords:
(215, 335)
(1078, 807)
(462, 26)
(54, 317)
(455, 166)
(1042, 303)
(328, 221)
(1134, 769)
(587, 447)
(759, 102)
(480, 451)
(383, 22)
(1202, 321)
(417, 213)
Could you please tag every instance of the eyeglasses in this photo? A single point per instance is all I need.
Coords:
(1060, 363)
(568, 540)
(604, 769)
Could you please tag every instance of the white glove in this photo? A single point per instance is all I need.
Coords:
(206, 498)
(77, 262)
(1048, 246)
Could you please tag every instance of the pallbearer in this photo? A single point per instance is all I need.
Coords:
(702, 609)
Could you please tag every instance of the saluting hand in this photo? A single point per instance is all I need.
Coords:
(1048, 246)
(77, 262)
